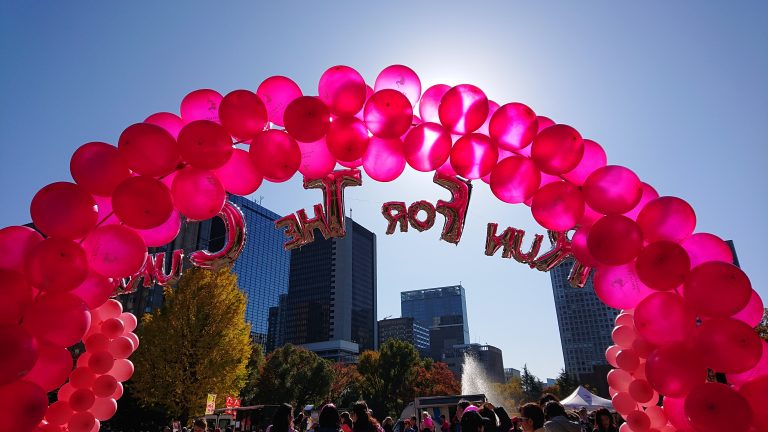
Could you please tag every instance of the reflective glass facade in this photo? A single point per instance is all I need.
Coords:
(443, 311)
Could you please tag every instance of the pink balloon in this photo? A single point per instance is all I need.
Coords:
(58, 413)
(121, 347)
(716, 288)
(316, 160)
(277, 92)
(119, 392)
(115, 251)
(16, 295)
(667, 218)
(627, 359)
(112, 327)
(513, 126)
(104, 408)
(347, 139)
(51, 369)
(400, 78)
(239, 175)
(557, 149)
(664, 318)
(639, 422)
(22, 406)
(674, 408)
(756, 394)
(463, 109)
(619, 287)
(149, 149)
(98, 167)
(201, 104)
(717, 407)
(703, 247)
(619, 379)
(673, 370)
(474, 156)
(590, 216)
(168, 121)
(205, 144)
(342, 89)
(649, 194)
(384, 160)
(198, 194)
(579, 246)
(164, 233)
(515, 179)
(82, 361)
(623, 335)
(486, 127)
(641, 391)
(65, 391)
(558, 206)
(95, 290)
(19, 355)
(593, 159)
(626, 319)
(15, 244)
(96, 342)
(81, 399)
(642, 347)
(104, 386)
(142, 202)
(753, 312)
(613, 189)
(615, 240)
(129, 321)
(657, 416)
(276, 155)
(388, 114)
(447, 169)
(82, 422)
(427, 146)
(430, 102)
(544, 122)
(111, 309)
(307, 118)
(63, 210)
(243, 114)
(728, 345)
(122, 370)
(59, 319)
(663, 265)
(623, 403)
(100, 362)
(134, 339)
(610, 354)
(56, 265)
(81, 377)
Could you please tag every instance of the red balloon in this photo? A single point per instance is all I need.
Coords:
(675, 411)
(22, 406)
(100, 362)
(81, 399)
(112, 327)
(277, 92)
(243, 114)
(579, 246)
(98, 168)
(463, 109)
(19, 354)
(613, 189)
(104, 386)
(649, 194)
(82, 422)
(717, 407)
(276, 155)
(343, 90)
(347, 138)
(111, 309)
(149, 149)
(95, 290)
(104, 408)
(703, 247)
(623, 336)
(623, 403)
(641, 391)
(115, 251)
(515, 179)
(129, 321)
(142, 202)
(627, 359)
(16, 295)
(615, 240)
(198, 194)
(58, 413)
(59, 319)
(66, 390)
(642, 347)
(664, 318)
(121, 348)
(63, 210)
(134, 339)
(383, 160)
(557, 149)
(594, 158)
(15, 244)
(82, 376)
(716, 288)
(56, 265)
(558, 206)
(430, 102)
(751, 314)
(201, 104)
(427, 146)
(656, 415)
(610, 354)
(239, 175)
(388, 114)
(164, 233)
(728, 345)
(97, 342)
(122, 370)
(205, 144)
(474, 156)
(316, 160)
(619, 287)
(307, 119)
(663, 265)
(667, 218)
(756, 394)
(119, 392)
(485, 129)
(400, 78)
(639, 421)
(619, 379)
(544, 122)
(673, 370)
(51, 369)
(513, 126)
(168, 121)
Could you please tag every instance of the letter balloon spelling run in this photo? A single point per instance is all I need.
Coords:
(688, 309)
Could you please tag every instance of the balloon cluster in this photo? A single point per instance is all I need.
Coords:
(688, 309)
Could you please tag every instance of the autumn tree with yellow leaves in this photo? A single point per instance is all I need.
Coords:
(197, 343)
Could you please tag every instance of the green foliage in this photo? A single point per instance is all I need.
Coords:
(345, 388)
(197, 343)
(511, 393)
(295, 375)
(255, 364)
(762, 328)
(388, 376)
(565, 384)
(531, 385)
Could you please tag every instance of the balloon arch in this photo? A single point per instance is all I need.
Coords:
(686, 331)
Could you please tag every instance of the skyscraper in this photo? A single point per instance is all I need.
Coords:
(406, 329)
(443, 311)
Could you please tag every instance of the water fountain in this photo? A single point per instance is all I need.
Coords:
(474, 380)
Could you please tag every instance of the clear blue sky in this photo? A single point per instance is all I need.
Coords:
(677, 91)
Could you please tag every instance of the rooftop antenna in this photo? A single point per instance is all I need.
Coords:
(261, 198)
(350, 212)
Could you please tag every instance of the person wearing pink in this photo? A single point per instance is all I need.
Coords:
(427, 425)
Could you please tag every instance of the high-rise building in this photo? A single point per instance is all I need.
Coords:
(443, 311)
(406, 329)
(585, 325)
(487, 357)
(510, 373)
(331, 301)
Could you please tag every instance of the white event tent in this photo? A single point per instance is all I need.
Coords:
(583, 398)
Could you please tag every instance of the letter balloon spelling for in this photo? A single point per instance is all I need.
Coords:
(688, 309)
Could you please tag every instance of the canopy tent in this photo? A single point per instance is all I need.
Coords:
(583, 398)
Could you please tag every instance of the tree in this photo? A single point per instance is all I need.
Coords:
(511, 393)
(254, 367)
(435, 379)
(388, 376)
(345, 388)
(565, 384)
(531, 385)
(294, 375)
(197, 343)
(762, 328)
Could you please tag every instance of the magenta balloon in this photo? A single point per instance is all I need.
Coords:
(716, 288)
(427, 146)
(307, 118)
(717, 407)
(388, 114)
(753, 312)
(612, 189)
(98, 168)
(276, 155)
(63, 210)
(544, 122)
(558, 206)
(656, 415)
(22, 406)
(513, 126)
(198, 194)
(619, 287)
(58, 413)
(673, 370)
(122, 370)
(594, 158)
(104, 386)
(447, 169)
(95, 290)
(342, 89)
(590, 216)
(59, 319)
(277, 92)
(615, 240)
(579, 246)
(756, 394)
(110, 309)
(623, 336)
(243, 114)
(83, 422)
(515, 179)
(649, 194)
(663, 318)
(463, 109)
(757, 371)
(51, 369)
(112, 327)
(619, 379)
(663, 265)
(100, 362)
(347, 139)
(96, 342)
(81, 399)
(19, 354)
(623, 403)
(168, 121)
(205, 144)
(56, 265)
(627, 359)
(15, 244)
(239, 175)
(703, 247)
(641, 391)
(667, 218)
(384, 160)
(149, 149)
(201, 104)
(104, 408)
(674, 408)
(474, 156)
(142, 202)
(728, 345)
(400, 78)
(162, 234)
(16, 295)
(638, 421)
(430, 102)
(557, 149)
(316, 160)
(485, 129)
(610, 354)
(81, 377)
(115, 251)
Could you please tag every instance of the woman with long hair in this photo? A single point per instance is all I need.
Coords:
(604, 421)
(329, 419)
(282, 420)
(361, 418)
